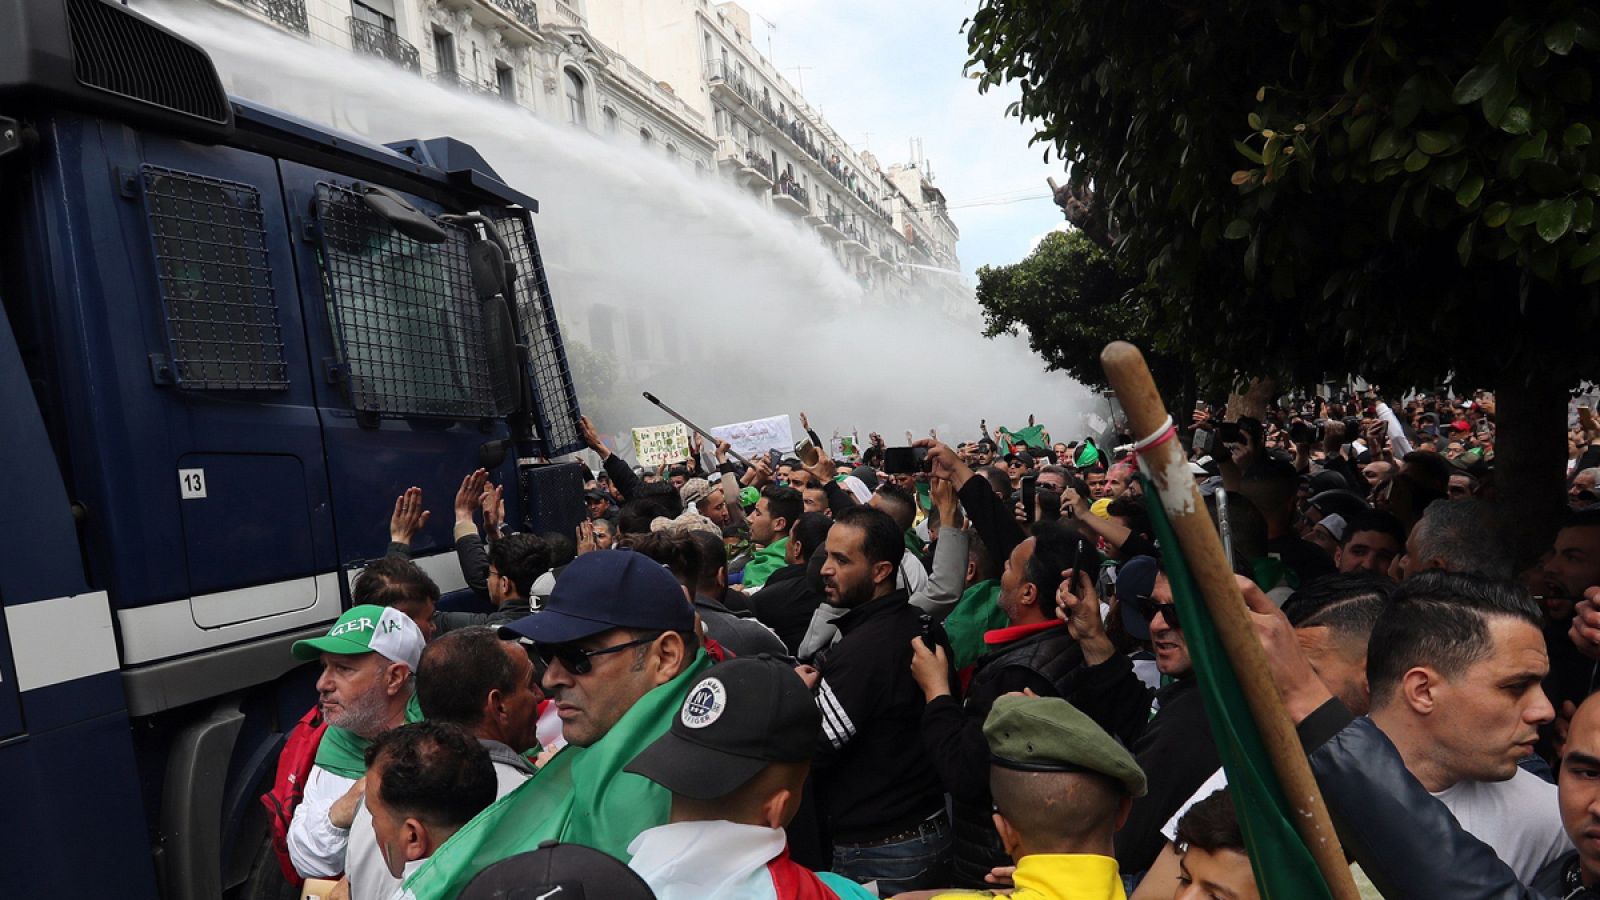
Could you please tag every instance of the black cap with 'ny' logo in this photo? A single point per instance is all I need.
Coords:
(741, 715)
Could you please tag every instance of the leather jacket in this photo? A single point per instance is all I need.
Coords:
(1406, 840)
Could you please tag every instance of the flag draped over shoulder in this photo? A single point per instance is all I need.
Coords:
(1031, 437)
(581, 796)
(345, 754)
(1284, 867)
(976, 612)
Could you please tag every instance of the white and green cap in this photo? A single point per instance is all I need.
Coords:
(368, 628)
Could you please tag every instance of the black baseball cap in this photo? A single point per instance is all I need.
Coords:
(596, 494)
(606, 589)
(564, 871)
(741, 715)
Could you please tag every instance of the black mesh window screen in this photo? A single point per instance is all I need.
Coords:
(216, 283)
(407, 322)
(536, 317)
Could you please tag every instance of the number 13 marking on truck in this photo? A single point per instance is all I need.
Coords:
(192, 484)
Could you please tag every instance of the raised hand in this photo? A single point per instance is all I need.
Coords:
(586, 538)
(1078, 604)
(408, 517)
(467, 495)
(591, 436)
(493, 503)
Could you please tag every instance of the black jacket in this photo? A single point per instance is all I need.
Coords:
(992, 518)
(1173, 747)
(1045, 662)
(785, 603)
(873, 777)
(510, 611)
(1406, 840)
(623, 477)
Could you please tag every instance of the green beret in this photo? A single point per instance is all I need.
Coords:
(1048, 734)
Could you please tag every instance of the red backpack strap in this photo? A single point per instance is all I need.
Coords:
(295, 762)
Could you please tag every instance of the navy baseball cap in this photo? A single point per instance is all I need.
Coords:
(1136, 580)
(606, 589)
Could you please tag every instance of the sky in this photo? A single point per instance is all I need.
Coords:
(886, 71)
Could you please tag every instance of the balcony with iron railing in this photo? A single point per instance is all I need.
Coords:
(524, 11)
(290, 14)
(788, 195)
(755, 172)
(727, 86)
(375, 40)
(830, 225)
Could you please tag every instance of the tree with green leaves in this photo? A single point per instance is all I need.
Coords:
(1072, 297)
(1404, 190)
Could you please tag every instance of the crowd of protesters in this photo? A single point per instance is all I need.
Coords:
(953, 668)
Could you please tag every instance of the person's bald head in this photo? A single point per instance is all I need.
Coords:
(1579, 790)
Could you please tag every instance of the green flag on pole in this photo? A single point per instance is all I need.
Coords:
(1283, 865)
(581, 796)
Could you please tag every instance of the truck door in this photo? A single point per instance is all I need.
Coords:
(405, 392)
(234, 437)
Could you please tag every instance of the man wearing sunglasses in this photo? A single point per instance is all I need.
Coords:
(616, 626)
(1173, 742)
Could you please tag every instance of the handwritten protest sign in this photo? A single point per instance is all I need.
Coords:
(756, 437)
(659, 444)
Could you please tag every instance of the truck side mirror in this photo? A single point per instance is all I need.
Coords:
(488, 269)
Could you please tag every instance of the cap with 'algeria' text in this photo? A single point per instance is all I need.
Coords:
(368, 628)
(740, 716)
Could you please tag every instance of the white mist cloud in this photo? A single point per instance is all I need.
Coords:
(773, 322)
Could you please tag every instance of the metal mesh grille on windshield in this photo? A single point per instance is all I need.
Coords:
(409, 326)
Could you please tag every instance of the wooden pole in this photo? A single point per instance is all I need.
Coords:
(1163, 461)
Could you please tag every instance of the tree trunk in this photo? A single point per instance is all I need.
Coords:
(1530, 460)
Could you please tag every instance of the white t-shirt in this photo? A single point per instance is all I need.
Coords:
(1519, 818)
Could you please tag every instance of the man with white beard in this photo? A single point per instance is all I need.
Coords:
(368, 658)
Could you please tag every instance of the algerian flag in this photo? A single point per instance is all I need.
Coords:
(1283, 865)
(581, 796)
(976, 612)
(1031, 437)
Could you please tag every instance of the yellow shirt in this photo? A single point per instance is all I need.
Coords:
(1059, 876)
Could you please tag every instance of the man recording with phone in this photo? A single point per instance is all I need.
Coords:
(1034, 652)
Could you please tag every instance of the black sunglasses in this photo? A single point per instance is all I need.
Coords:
(579, 661)
(1168, 611)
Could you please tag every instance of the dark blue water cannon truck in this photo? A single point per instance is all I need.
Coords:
(229, 339)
